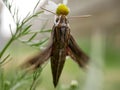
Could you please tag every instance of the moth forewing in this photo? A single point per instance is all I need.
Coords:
(59, 47)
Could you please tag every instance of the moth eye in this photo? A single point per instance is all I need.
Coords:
(57, 19)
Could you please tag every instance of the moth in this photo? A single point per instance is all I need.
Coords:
(61, 44)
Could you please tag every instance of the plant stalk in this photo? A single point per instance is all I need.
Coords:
(6, 46)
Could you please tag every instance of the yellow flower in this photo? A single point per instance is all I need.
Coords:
(62, 9)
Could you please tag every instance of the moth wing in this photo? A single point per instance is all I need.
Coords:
(39, 59)
(76, 53)
(58, 54)
(57, 63)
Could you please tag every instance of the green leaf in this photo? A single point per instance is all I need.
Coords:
(26, 30)
(33, 36)
(31, 17)
(40, 43)
(36, 6)
(1, 62)
(11, 30)
(42, 31)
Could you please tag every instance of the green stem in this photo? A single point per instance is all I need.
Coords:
(6, 46)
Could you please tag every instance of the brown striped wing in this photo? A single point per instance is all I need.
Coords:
(77, 54)
(59, 52)
(36, 61)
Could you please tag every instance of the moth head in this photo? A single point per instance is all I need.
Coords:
(62, 9)
(61, 20)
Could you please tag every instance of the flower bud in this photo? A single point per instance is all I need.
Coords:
(74, 84)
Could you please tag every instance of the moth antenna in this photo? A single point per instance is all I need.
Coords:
(81, 16)
(48, 10)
